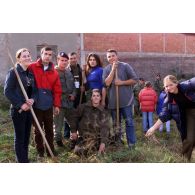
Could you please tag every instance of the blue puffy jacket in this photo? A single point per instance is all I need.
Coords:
(171, 110)
(160, 102)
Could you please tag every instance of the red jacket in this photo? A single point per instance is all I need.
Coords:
(48, 84)
(147, 99)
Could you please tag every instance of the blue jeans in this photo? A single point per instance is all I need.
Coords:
(22, 126)
(126, 113)
(147, 120)
(168, 127)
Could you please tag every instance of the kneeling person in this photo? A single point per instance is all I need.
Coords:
(94, 125)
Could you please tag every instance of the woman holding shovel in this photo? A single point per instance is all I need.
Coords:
(20, 108)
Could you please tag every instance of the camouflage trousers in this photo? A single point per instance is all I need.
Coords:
(87, 144)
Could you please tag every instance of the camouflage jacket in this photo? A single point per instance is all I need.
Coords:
(158, 86)
(93, 122)
(68, 87)
(136, 89)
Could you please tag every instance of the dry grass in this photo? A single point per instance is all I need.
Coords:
(146, 151)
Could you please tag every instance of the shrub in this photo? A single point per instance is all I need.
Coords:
(4, 103)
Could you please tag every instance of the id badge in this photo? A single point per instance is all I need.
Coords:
(77, 85)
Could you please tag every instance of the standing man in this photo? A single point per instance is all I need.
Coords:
(136, 89)
(158, 84)
(67, 98)
(76, 71)
(126, 79)
(77, 74)
(49, 97)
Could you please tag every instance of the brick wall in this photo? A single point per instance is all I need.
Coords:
(149, 53)
(103, 41)
(141, 42)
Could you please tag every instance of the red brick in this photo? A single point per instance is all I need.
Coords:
(152, 42)
(129, 42)
(190, 44)
(123, 42)
(174, 43)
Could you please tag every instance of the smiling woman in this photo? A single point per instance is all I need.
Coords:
(179, 104)
(20, 108)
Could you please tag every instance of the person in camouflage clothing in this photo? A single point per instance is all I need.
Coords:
(158, 84)
(67, 98)
(136, 89)
(94, 126)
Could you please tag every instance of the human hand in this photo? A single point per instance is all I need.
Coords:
(76, 149)
(118, 82)
(102, 148)
(30, 102)
(150, 132)
(56, 110)
(25, 107)
(103, 103)
(84, 67)
(114, 65)
(82, 88)
(71, 97)
(74, 136)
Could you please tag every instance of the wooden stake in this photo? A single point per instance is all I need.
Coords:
(117, 100)
(82, 85)
(31, 109)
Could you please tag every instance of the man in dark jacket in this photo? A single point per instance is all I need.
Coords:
(78, 78)
(136, 89)
(158, 84)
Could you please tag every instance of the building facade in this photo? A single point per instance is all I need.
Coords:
(148, 53)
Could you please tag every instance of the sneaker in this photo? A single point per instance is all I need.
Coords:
(60, 143)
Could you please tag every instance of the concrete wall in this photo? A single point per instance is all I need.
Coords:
(67, 42)
(148, 53)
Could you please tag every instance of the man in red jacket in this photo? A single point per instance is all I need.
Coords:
(49, 96)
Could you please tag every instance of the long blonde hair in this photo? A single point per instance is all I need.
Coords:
(171, 78)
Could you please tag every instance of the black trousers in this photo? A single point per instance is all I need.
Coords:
(189, 142)
(45, 118)
(22, 126)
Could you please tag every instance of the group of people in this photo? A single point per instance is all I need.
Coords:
(83, 103)
(149, 98)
